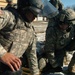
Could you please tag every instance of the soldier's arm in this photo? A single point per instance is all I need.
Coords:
(3, 21)
(50, 46)
(32, 59)
(2, 51)
(6, 19)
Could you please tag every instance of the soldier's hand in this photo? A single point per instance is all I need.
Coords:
(12, 61)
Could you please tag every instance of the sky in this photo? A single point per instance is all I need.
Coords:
(68, 2)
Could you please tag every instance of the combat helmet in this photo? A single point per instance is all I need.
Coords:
(33, 5)
(66, 16)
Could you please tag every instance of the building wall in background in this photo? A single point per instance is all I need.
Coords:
(3, 3)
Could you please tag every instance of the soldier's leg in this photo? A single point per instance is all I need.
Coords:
(42, 62)
(5, 70)
(44, 66)
(59, 56)
(71, 66)
(70, 51)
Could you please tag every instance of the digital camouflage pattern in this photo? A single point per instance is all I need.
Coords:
(58, 42)
(17, 36)
(71, 67)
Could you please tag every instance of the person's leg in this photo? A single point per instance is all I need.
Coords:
(59, 56)
(70, 49)
(71, 66)
(71, 45)
(44, 66)
(5, 70)
(42, 63)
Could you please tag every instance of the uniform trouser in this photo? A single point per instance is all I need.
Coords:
(59, 54)
(71, 66)
(5, 70)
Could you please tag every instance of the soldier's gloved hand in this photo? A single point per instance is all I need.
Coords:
(58, 69)
(12, 61)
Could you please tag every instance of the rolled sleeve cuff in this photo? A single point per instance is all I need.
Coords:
(2, 51)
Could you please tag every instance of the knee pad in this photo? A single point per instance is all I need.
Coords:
(42, 63)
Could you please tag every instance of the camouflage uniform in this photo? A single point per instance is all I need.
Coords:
(57, 3)
(58, 42)
(16, 37)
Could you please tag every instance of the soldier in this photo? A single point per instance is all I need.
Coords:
(57, 3)
(60, 38)
(17, 36)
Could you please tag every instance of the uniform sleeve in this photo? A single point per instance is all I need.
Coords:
(2, 51)
(4, 18)
(50, 46)
(32, 59)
